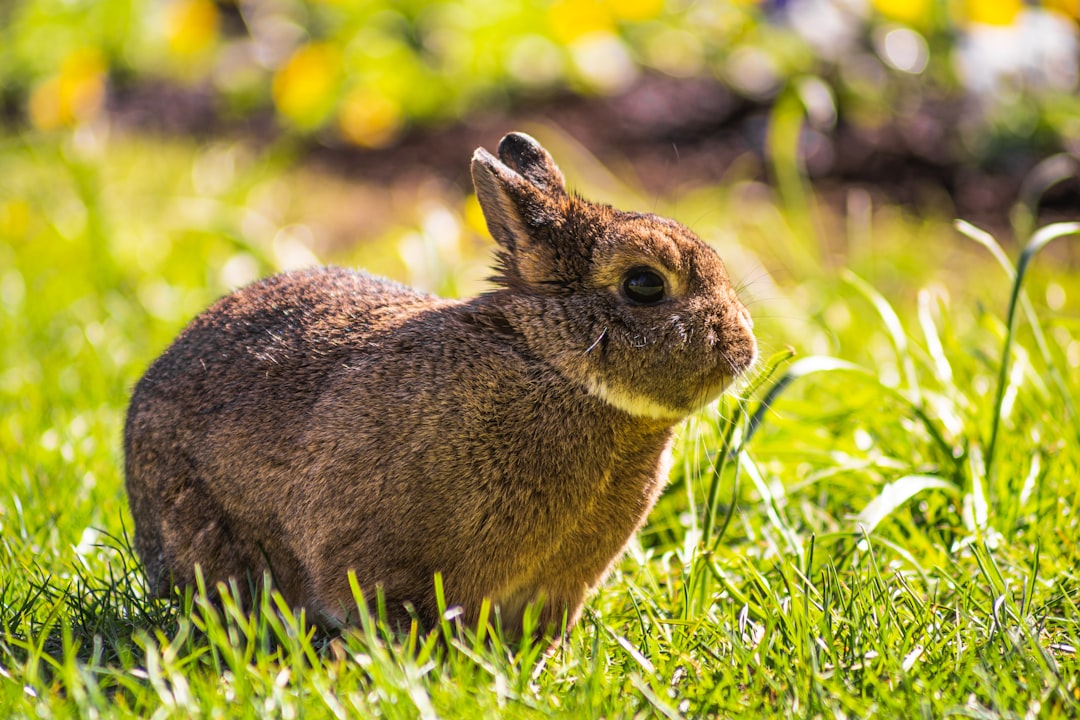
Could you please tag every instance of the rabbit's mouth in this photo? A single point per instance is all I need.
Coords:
(712, 389)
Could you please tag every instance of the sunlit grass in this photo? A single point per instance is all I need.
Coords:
(846, 533)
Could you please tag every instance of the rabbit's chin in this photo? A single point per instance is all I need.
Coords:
(641, 406)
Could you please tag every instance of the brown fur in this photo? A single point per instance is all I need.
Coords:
(327, 420)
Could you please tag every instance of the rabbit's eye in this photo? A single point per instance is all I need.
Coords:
(644, 286)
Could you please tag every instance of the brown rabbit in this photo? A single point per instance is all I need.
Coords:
(326, 420)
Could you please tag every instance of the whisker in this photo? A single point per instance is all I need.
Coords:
(597, 341)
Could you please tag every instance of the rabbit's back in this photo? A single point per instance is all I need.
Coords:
(288, 322)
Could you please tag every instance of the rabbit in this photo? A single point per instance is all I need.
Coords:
(325, 420)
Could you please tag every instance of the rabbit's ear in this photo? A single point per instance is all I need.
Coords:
(514, 207)
(528, 159)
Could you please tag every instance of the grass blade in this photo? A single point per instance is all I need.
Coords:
(1038, 241)
(942, 367)
(799, 368)
(731, 447)
(990, 243)
(772, 510)
(894, 327)
(1045, 175)
(894, 495)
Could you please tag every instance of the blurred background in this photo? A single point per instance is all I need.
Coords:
(156, 153)
(945, 106)
(939, 103)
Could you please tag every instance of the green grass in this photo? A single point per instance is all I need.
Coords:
(882, 522)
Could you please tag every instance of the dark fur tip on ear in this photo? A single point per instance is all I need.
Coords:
(517, 148)
(529, 159)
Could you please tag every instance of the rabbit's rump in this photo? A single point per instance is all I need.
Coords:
(218, 428)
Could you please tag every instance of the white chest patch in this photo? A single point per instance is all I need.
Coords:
(636, 405)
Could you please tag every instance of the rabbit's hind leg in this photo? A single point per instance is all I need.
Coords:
(188, 529)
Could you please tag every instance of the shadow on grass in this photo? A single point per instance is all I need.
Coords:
(92, 619)
(109, 625)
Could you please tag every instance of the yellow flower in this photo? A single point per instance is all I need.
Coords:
(305, 87)
(635, 10)
(993, 12)
(368, 118)
(191, 26)
(570, 19)
(474, 216)
(912, 12)
(73, 95)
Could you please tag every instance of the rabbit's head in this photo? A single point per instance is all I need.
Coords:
(634, 307)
